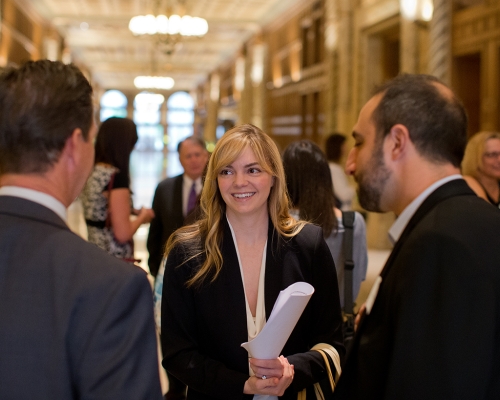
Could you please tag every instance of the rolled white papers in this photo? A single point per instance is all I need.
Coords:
(287, 310)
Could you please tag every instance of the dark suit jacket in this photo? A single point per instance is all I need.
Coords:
(434, 330)
(204, 328)
(75, 322)
(167, 206)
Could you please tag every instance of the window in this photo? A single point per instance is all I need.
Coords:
(180, 118)
(113, 104)
(147, 118)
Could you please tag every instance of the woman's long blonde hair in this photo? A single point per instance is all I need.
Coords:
(473, 157)
(204, 237)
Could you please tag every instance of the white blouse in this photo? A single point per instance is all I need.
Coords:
(255, 324)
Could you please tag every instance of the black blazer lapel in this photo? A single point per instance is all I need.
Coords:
(457, 187)
(177, 202)
(274, 271)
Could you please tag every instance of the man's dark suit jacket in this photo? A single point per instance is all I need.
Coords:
(204, 328)
(75, 322)
(167, 206)
(434, 330)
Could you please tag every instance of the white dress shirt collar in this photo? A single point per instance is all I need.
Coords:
(44, 199)
(400, 224)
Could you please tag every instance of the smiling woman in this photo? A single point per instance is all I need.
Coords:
(481, 166)
(224, 273)
(245, 186)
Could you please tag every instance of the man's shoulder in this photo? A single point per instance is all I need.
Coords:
(95, 260)
(466, 209)
(462, 222)
(85, 259)
(170, 181)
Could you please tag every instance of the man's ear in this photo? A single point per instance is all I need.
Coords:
(71, 151)
(398, 141)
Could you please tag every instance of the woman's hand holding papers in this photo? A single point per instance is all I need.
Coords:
(272, 377)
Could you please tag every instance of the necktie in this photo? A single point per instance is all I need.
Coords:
(191, 199)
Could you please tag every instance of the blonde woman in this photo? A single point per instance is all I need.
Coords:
(481, 166)
(224, 273)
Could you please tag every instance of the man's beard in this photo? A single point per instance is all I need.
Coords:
(372, 181)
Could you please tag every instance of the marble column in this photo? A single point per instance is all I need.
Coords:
(213, 89)
(339, 16)
(440, 41)
(409, 46)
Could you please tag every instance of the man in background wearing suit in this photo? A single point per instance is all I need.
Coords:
(174, 199)
(431, 328)
(76, 323)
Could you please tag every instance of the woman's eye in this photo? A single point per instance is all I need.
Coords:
(225, 172)
(254, 170)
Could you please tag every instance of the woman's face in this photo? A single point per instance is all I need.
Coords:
(491, 159)
(245, 186)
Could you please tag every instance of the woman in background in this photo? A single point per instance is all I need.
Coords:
(224, 273)
(106, 198)
(310, 188)
(343, 190)
(481, 166)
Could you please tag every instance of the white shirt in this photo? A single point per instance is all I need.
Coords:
(186, 189)
(255, 325)
(38, 197)
(400, 224)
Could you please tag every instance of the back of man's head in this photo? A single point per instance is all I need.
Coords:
(433, 115)
(41, 104)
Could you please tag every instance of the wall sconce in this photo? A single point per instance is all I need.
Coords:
(417, 10)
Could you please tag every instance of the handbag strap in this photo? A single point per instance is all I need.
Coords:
(328, 352)
(348, 222)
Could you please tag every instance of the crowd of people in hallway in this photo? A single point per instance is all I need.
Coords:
(240, 225)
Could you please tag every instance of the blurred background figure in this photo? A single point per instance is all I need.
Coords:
(481, 166)
(311, 193)
(106, 198)
(344, 192)
(175, 198)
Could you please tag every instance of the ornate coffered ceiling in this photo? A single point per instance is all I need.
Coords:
(97, 34)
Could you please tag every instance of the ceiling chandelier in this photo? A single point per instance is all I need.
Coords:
(154, 82)
(173, 25)
(168, 30)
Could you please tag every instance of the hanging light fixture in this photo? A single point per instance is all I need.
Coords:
(169, 30)
(154, 82)
(163, 25)
(417, 10)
